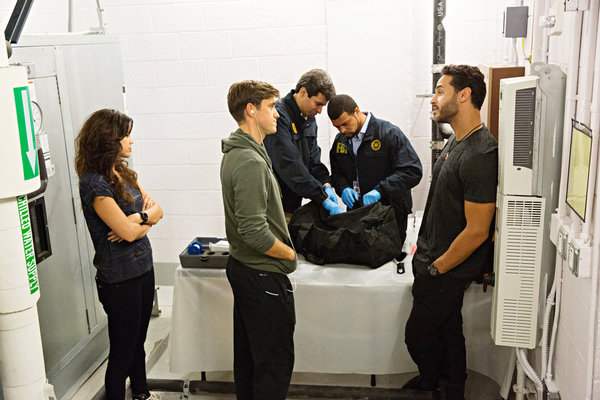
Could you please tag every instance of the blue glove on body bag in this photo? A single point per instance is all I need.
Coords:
(349, 196)
(331, 193)
(332, 207)
(372, 197)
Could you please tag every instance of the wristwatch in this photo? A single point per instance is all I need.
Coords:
(144, 216)
(433, 271)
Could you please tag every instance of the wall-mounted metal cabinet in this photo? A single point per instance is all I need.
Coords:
(72, 76)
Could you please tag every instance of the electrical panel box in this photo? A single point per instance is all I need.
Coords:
(555, 224)
(515, 22)
(562, 242)
(579, 258)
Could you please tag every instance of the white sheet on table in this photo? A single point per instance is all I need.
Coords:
(350, 319)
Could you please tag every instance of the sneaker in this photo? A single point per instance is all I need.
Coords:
(153, 396)
(418, 383)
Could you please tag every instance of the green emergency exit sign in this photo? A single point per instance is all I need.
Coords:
(26, 133)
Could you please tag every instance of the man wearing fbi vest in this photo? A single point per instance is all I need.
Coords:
(293, 149)
(371, 160)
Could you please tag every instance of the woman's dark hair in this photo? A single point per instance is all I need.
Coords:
(97, 149)
(467, 76)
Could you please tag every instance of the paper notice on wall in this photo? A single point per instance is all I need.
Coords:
(44, 145)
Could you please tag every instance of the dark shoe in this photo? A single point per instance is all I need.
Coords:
(452, 391)
(151, 396)
(418, 383)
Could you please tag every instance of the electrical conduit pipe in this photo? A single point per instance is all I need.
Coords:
(522, 360)
(519, 387)
(546, 324)
(570, 106)
(558, 280)
(538, 34)
(585, 93)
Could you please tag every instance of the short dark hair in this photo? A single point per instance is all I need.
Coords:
(467, 76)
(316, 81)
(339, 104)
(244, 92)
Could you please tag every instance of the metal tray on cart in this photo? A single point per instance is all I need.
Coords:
(208, 258)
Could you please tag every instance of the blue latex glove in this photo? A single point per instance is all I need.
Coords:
(349, 196)
(331, 193)
(372, 197)
(332, 207)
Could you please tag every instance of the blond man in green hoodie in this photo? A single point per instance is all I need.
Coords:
(261, 249)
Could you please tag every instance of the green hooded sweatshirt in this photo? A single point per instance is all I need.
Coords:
(252, 201)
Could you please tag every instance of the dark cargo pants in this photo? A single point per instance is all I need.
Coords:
(263, 332)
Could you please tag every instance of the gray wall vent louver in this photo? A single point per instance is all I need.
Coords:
(524, 117)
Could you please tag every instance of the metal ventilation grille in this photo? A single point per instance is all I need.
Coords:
(523, 222)
(516, 322)
(524, 117)
(524, 213)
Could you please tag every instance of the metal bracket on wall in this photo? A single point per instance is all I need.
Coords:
(155, 310)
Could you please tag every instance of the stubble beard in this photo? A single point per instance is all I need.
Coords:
(447, 112)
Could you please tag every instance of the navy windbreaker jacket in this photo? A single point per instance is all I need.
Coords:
(296, 156)
(385, 161)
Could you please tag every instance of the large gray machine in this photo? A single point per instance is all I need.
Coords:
(70, 77)
(529, 152)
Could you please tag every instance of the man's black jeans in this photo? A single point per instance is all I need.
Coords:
(263, 332)
(434, 334)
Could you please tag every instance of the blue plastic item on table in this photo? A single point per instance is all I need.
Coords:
(195, 248)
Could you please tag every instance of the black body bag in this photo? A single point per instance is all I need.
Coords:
(367, 236)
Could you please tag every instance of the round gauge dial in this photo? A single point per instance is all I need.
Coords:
(37, 116)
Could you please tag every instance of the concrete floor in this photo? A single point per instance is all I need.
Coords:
(479, 387)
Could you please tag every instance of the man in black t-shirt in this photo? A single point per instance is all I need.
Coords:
(454, 241)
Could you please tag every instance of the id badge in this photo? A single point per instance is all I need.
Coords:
(356, 186)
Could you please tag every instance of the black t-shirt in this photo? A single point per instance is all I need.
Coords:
(115, 262)
(467, 170)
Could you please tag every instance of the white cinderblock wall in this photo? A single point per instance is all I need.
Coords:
(180, 56)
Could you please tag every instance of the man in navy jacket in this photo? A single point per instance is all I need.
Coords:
(372, 160)
(293, 149)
